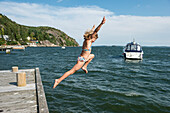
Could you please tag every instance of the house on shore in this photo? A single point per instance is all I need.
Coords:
(6, 37)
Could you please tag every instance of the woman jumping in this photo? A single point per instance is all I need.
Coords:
(85, 57)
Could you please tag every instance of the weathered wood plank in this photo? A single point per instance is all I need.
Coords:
(42, 103)
(27, 99)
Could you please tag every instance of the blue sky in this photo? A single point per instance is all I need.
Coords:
(148, 21)
(121, 7)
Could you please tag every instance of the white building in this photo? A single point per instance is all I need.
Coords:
(28, 38)
(33, 43)
(6, 37)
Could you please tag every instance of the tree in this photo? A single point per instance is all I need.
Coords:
(2, 31)
(2, 41)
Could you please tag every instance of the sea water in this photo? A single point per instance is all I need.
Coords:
(113, 85)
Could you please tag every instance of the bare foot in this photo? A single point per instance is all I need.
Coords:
(84, 69)
(56, 83)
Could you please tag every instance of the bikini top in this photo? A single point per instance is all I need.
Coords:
(87, 49)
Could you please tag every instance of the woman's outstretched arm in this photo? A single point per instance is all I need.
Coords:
(98, 28)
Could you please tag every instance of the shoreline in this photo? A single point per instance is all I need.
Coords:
(11, 46)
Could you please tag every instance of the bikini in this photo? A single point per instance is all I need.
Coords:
(87, 49)
(82, 59)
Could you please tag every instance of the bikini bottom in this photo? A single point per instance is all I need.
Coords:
(81, 59)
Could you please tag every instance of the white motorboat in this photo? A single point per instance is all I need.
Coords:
(63, 47)
(133, 51)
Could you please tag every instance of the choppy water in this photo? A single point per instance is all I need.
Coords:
(112, 84)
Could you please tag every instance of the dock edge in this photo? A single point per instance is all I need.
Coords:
(42, 106)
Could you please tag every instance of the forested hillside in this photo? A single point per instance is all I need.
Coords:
(18, 34)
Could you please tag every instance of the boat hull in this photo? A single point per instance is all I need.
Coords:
(133, 55)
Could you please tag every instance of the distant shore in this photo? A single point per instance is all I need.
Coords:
(11, 46)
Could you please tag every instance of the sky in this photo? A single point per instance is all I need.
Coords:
(146, 21)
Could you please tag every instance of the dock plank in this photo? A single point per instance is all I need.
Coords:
(14, 99)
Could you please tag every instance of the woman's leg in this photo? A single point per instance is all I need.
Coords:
(70, 72)
(84, 68)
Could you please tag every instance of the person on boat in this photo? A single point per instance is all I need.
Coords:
(85, 57)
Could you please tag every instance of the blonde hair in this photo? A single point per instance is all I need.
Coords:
(88, 33)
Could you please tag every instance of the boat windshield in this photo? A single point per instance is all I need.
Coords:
(133, 47)
(128, 47)
(138, 48)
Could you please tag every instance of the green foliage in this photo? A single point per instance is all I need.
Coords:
(20, 33)
(2, 31)
(12, 43)
(2, 41)
(23, 43)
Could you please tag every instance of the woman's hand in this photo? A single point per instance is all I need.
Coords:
(98, 28)
(104, 20)
(93, 27)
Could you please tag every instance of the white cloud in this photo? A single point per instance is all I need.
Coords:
(118, 30)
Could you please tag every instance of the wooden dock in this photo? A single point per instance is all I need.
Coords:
(28, 99)
(5, 49)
